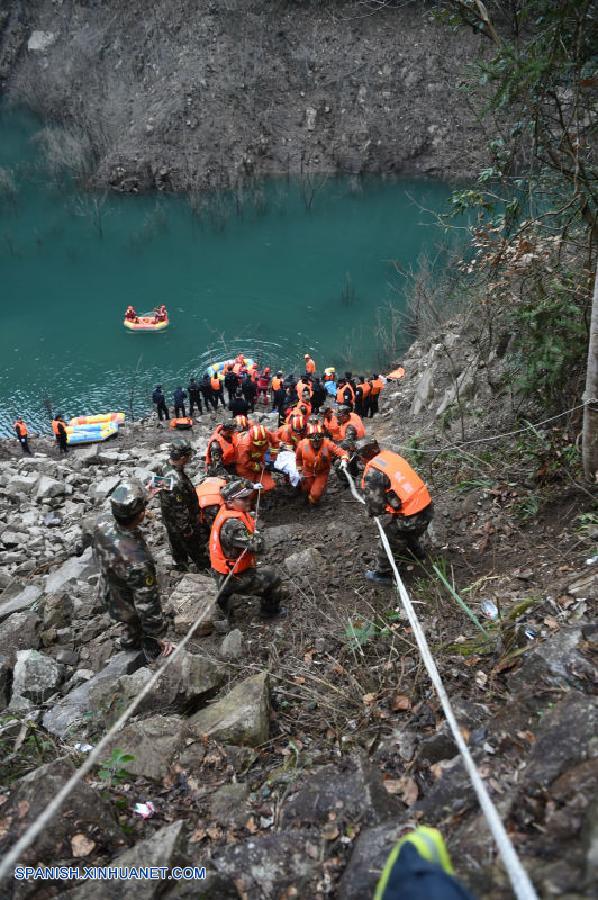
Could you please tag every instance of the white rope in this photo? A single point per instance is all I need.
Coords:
(497, 437)
(52, 808)
(520, 881)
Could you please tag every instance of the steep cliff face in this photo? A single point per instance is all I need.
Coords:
(190, 94)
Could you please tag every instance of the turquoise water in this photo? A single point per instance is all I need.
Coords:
(264, 274)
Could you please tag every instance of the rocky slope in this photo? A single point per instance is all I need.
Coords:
(174, 95)
(288, 757)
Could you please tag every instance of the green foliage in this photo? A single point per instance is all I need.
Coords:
(24, 746)
(359, 632)
(112, 770)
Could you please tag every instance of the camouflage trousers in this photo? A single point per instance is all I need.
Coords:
(403, 533)
(263, 583)
(137, 634)
(193, 549)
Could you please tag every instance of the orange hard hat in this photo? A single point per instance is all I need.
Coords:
(297, 423)
(313, 430)
(242, 421)
(258, 434)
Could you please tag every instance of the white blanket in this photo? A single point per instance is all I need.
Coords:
(287, 464)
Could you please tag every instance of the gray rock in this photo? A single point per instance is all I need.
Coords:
(153, 742)
(280, 534)
(18, 597)
(40, 41)
(83, 812)
(227, 805)
(104, 488)
(57, 610)
(188, 678)
(86, 456)
(22, 484)
(48, 487)
(19, 632)
(309, 560)
(424, 392)
(367, 860)
(77, 568)
(556, 662)
(242, 717)
(11, 538)
(193, 595)
(355, 794)
(166, 847)
(586, 586)
(69, 713)
(233, 645)
(53, 519)
(265, 867)
(36, 676)
(434, 747)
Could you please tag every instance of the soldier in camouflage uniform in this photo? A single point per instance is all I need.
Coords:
(403, 531)
(233, 543)
(128, 572)
(180, 510)
(222, 444)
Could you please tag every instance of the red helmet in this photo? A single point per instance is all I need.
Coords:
(297, 423)
(242, 423)
(258, 435)
(315, 431)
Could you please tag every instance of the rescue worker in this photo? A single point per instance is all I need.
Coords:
(131, 314)
(319, 396)
(304, 385)
(221, 454)
(239, 405)
(263, 384)
(59, 429)
(179, 398)
(249, 391)
(419, 868)
(251, 455)
(365, 389)
(310, 366)
(345, 427)
(345, 395)
(278, 395)
(206, 392)
(231, 382)
(194, 397)
(22, 433)
(314, 458)
(376, 389)
(241, 426)
(234, 543)
(291, 433)
(303, 410)
(160, 402)
(358, 408)
(394, 492)
(210, 501)
(128, 582)
(217, 391)
(180, 508)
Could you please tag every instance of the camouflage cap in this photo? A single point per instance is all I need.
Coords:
(237, 489)
(128, 499)
(342, 410)
(180, 448)
(367, 449)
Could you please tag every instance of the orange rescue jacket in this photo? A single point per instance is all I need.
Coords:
(21, 429)
(377, 386)
(276, 383)
(229, 451)
(313, 463)
(340, 393)
(218, 560)
(404, 481)
(215, 383)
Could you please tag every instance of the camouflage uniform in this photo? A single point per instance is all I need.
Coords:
(216, 467)
(181, 517)
(128, 581)
(265, 583)
(403, 532)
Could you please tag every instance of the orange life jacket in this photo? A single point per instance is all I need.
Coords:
(302, 386)
(377, 386)
(55, 424)
(366, 387)
(286, 435)
(406, 484)
(276, 383)
(357, 424)
(215, 383)
(340, 393)
(296, 411)
(183, 423)
(228, 448)
(208, 492)
(22, 429)
(218, 560)
(313, 463)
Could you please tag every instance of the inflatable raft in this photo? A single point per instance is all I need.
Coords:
(147, 322)
(99, 419)
(217, 368)
(91, 434)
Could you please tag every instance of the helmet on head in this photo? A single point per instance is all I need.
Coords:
(367, 449)
(307, 356)
(258, 435)
(128, 499)
(242, 423)
(342, 412)
(238, 489)
(297, 423)
(315, 432)
(180, 448)
(279, 373)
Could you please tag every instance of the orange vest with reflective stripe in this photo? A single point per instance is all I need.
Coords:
(406, 484)
(229, 452)
(22, 429)
(312, 463)
(215, 383)
(340, 393)
(218, 560)
(276, 383)
(357, 424)
(377, 386)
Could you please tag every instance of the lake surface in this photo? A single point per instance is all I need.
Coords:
(290, 267)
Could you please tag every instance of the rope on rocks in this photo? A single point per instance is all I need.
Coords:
(30, 834)
(498, 437)
(520, 881)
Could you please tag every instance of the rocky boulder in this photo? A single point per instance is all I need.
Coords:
(304, 561)
(22, 484)
(187, 679)
(77, 568)
(193, 596)
(48, 487)
(17, 597)
(370, 853)
(242, 717)
(153, 743)
(36, 676)
(19, 632)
